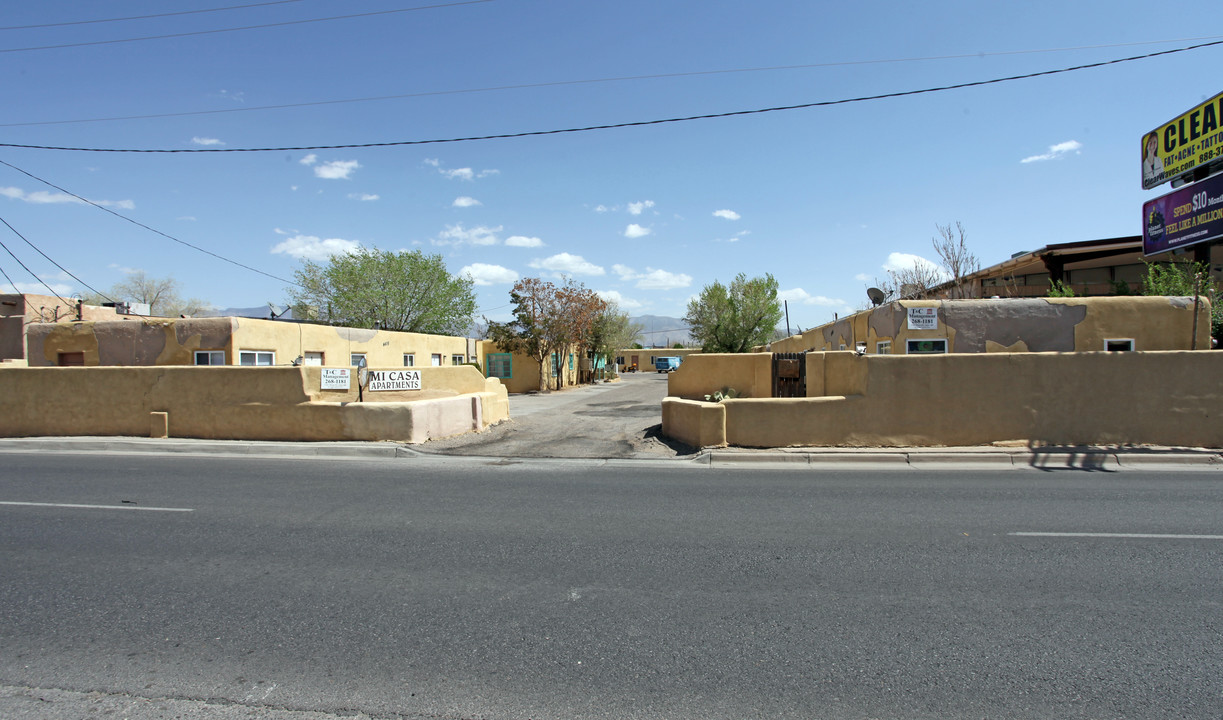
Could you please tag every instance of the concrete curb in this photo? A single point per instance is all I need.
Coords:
(207, 447)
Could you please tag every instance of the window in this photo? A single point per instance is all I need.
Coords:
(500, 365)
(1119, 345)
(842, 346)
(883, 347)
(571, 361)
(209, 357)
(457, 359)
(313, 359)
(256, 357)
(619, 359)
(70, 359)
(409, 359)
(357, 359)
(926, 347)
(435, 359)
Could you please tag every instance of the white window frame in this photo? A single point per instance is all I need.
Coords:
(212, 355)
(354, 359)
(261, 358)
(435, 359)
(457, 359)
(1110, 341)
(314, 359)
(409, 359)
(883, 347)
(909, 346)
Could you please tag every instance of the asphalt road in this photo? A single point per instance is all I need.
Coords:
(460, 588)
(603, 420)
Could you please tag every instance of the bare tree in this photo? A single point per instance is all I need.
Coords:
(160, 294)
(952, 250)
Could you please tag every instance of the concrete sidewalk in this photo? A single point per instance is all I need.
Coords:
(964, 458)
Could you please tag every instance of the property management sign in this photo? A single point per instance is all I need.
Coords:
(1186, 143)
(394, 380)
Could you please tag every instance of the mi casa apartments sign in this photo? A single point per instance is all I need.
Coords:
(394, 380)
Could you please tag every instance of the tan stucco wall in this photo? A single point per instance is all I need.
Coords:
(524, 371)
(1019, 325)
(265, 403)
(173, 341)
(19, 311)
(1159, 397)
(751, 375)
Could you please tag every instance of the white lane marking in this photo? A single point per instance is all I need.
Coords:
(1152, 536)
(98, 507)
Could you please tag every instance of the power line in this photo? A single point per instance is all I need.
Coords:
(247, 27)
(639, 123)
(590, 81)
(48, 258)
(146, 227)
(10, 280)
(147, 17)
(27, 269)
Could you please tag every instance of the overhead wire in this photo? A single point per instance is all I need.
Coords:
(50, 260)
(638, 123)
(148, 17)
(25, 267)
(285, 23)
(10, 280)
(146, 227)
(591, 81)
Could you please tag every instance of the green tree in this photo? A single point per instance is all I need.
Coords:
(1187, 280)
(613, 331)
(160, 294)
(407, 291)
(734, 319)
(548, 320)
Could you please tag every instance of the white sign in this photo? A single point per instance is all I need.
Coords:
(925, 318)
(335, 379)
(394, 380)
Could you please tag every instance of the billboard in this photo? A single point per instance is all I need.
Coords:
(1188, 142)
(1189, 216)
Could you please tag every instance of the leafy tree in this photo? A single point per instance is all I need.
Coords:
(735, 318)
(613, 331)
(407, 291)
(160, 294)
(547, 320)
(1187, 280)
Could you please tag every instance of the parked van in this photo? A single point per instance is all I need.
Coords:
(666, 364)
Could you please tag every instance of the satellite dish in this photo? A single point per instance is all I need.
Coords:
(275, 310)
(876, 295)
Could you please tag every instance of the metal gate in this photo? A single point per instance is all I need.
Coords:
(789, 375)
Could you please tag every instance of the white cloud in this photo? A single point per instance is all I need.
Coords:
(363, 197)
(309, 159)
(336, 169)
(485, 274)
(798, 296)
(635, 231)
(613, 296)
(459, 235)
(523, 241)
(863, 277)
(898, 261)
(727, 214)
(734, 238)
(636, 208)
(433, 161)
(653, 279)
(465, 202)
(603, 209)
(308, 247)
(467, 173)
(1056, 152)
(566, 264)
(42, 197)
(206, 141)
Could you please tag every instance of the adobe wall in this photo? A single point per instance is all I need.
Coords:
(238, 403)
(1159, 397)
(1018, 325)
(173, 341)
(525, 371)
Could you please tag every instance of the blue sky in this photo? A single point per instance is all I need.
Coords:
(824, 198)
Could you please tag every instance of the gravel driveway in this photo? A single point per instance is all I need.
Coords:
(604, 420)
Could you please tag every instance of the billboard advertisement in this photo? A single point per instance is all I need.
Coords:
(1186, 143)
(1189, 216)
